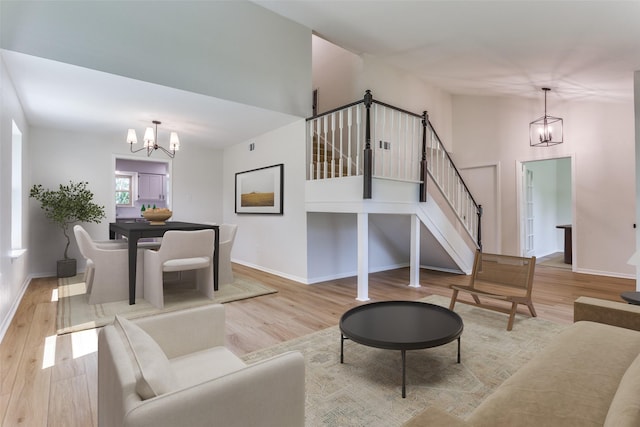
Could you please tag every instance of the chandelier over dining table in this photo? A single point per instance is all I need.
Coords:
(150, 140)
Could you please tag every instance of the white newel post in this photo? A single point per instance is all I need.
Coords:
(414, 268)
(363, 257)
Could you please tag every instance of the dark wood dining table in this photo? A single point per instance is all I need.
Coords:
(134, 231)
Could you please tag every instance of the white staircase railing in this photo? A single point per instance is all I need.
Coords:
(402, 146)
(336, 139)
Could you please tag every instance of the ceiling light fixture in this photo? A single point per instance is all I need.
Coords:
(151, 141)
(547, 130)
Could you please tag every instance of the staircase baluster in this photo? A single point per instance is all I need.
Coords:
(350, 126)
(324, 143)
(358, 146)
(340, 126)
(333, 144)
(317, 147)
(310, 150)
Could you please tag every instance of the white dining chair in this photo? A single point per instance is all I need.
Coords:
(227, 237)
(179, 251)
(107, 270)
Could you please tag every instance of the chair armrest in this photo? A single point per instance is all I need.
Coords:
(269, 393)
(608, 312)
(436, 417)
(186, 331)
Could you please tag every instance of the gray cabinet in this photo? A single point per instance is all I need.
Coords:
(151, 186)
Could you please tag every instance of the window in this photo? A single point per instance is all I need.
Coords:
(16, 187)
(124, 189)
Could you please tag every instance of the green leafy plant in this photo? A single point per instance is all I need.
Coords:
(67, 205)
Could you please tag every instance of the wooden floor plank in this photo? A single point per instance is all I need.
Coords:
(33, 396)
(29, 401)
(70, 402)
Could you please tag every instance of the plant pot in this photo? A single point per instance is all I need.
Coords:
(66, 268)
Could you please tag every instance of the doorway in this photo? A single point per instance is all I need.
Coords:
(140, 182)
(546, 210)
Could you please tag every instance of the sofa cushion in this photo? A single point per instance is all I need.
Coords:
(625, 407)
(154, 375)
(571, 382)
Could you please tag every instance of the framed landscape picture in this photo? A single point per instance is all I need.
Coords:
(260, 191)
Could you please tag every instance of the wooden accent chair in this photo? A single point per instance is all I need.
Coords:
(500, 277)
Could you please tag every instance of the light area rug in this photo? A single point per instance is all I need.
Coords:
(76, 314)
(366, 389)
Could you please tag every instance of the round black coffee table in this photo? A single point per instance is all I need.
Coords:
(631, 297)
(400, 325)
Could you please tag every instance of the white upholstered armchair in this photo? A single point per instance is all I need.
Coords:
(107, 269)
(172, 369)
(179, 251)
(227, 237)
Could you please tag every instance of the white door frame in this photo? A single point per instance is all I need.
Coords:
(115, 157)
(520, 203)
(498, 199)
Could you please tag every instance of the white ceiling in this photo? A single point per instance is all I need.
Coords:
(62, 96)
(582, 50)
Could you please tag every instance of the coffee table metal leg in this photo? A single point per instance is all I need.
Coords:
(342, 338)
(404, 372)
(458, 349)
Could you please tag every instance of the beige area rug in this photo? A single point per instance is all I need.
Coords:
(75, 314)
(366, 389)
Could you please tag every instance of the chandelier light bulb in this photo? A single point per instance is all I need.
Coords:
(132, 138)
(149, 138)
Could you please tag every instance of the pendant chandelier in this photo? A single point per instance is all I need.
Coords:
(547, 130)
(151, 141)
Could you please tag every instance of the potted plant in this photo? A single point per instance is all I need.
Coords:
(68, 204)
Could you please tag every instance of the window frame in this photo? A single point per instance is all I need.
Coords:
(132, 185)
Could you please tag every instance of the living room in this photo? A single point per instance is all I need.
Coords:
(605, 237)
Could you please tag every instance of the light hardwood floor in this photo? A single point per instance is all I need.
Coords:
(49, 380)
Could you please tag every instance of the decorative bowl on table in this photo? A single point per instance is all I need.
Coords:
(157, 216)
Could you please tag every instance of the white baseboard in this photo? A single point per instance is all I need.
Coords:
(4, 326)
(319, 279)
(270, 271)
(605, 273)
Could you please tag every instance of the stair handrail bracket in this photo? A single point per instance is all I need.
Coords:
(377, 140)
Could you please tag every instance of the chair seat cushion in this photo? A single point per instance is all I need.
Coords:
(180, 264)
(204, 365)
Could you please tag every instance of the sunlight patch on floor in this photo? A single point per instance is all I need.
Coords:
(49, 356)
(84, 342)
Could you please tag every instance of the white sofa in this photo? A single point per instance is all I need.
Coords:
(199, 383)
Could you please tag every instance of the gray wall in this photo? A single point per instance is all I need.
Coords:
(233, 50)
